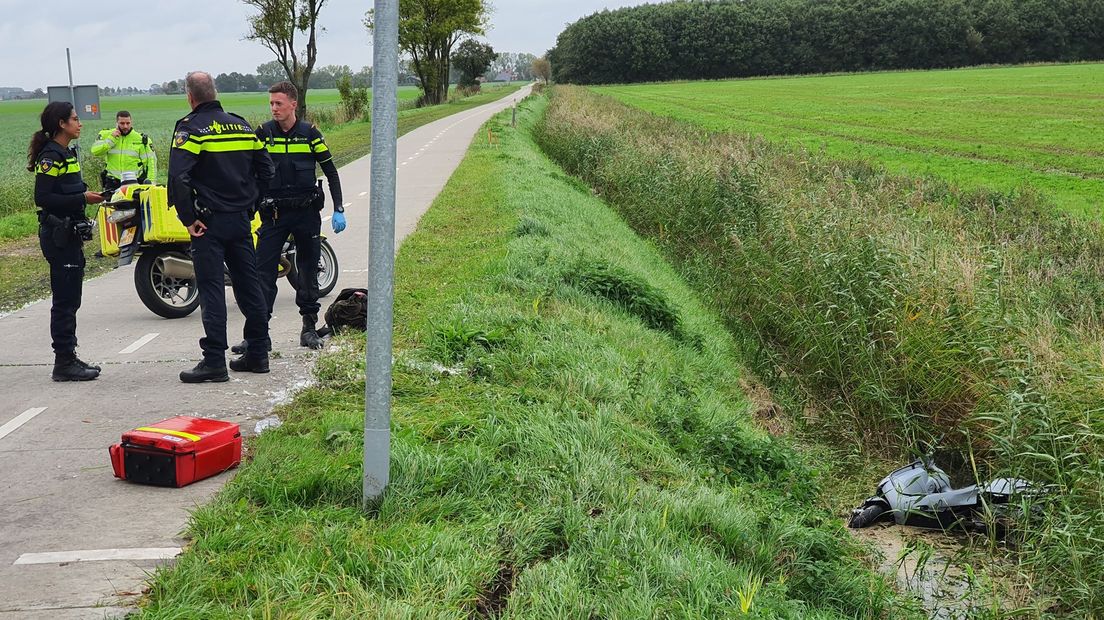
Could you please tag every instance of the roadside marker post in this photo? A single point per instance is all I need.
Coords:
(381, 252)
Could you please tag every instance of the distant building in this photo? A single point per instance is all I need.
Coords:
(504, 76)
(11, 92)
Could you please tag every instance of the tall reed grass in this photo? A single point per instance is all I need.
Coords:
(906, 313)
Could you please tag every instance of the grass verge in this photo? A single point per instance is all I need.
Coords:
(563, 447)
(25, 277)
(892, 313)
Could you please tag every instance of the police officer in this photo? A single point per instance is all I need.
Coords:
(125, 150)
(217, 168)
(61, 195)
(294, 203)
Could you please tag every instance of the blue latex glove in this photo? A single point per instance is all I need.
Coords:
(338, 222)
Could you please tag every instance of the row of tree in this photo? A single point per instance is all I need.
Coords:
(269, 73)
(507, 65)
(710, 39)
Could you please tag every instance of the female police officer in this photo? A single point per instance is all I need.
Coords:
(60, 194)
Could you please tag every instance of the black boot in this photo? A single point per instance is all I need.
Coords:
(309, 336)
(243, 347)
(68, 368)
(247, 363)
(205, 371)
(88, 366)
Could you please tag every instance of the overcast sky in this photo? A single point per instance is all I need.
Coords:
(137, 43)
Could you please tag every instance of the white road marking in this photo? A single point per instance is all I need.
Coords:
(347, 204)
(362, 194)
(327, 218)
(20, 420)
(354, 271)
(99, 555)
(141, 342)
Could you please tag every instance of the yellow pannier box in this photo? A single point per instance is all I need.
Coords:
(159, 221)
(109, 233)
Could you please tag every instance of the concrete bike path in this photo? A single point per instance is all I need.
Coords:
(75, 542)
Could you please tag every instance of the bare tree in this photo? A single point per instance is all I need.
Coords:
(277, 25)
(542, 69)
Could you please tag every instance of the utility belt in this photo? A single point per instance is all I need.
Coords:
(312, 199)
(67, 230)
(110, 183)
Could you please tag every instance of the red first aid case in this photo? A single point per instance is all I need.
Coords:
(177, 451)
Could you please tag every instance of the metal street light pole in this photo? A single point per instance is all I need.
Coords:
(381, 251)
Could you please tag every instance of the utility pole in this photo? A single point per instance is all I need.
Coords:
(381, 251)
(69, 63)
(73, 100)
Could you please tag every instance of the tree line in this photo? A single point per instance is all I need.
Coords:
(711, 39)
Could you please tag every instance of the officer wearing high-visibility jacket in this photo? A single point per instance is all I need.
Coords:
(61, 195)
(125, 150)
(293, 205)
(217, 170)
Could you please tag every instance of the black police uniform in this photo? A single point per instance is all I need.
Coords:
(59, 194)
(294, 208)
(216, 170)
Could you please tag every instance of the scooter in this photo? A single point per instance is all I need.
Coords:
(920, 494)
(138, 221)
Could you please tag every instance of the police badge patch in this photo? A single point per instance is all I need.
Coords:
(45, 165)
(180, 138)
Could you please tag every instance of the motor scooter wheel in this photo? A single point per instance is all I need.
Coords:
(866, 516)
(327, 271)
(172, 298)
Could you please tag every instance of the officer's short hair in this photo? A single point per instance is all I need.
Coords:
(200, 86)
(122, 114)
(286, 88)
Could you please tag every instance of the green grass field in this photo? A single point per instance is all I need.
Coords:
(998, 128)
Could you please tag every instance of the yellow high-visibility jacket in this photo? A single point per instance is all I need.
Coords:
(130, 153)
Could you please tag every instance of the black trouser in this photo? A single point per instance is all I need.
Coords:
(228, 240)
(66, 282)
(305, 225)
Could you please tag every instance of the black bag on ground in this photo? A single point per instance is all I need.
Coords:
(349, 310)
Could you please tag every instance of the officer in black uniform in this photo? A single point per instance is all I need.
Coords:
(293, 205)
(217, 168)
(61, 195)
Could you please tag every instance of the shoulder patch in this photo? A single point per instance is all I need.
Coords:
(180, 138)
(45, 164)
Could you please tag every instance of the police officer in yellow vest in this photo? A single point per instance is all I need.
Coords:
(126, 150)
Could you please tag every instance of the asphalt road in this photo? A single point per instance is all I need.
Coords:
(74, 541)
